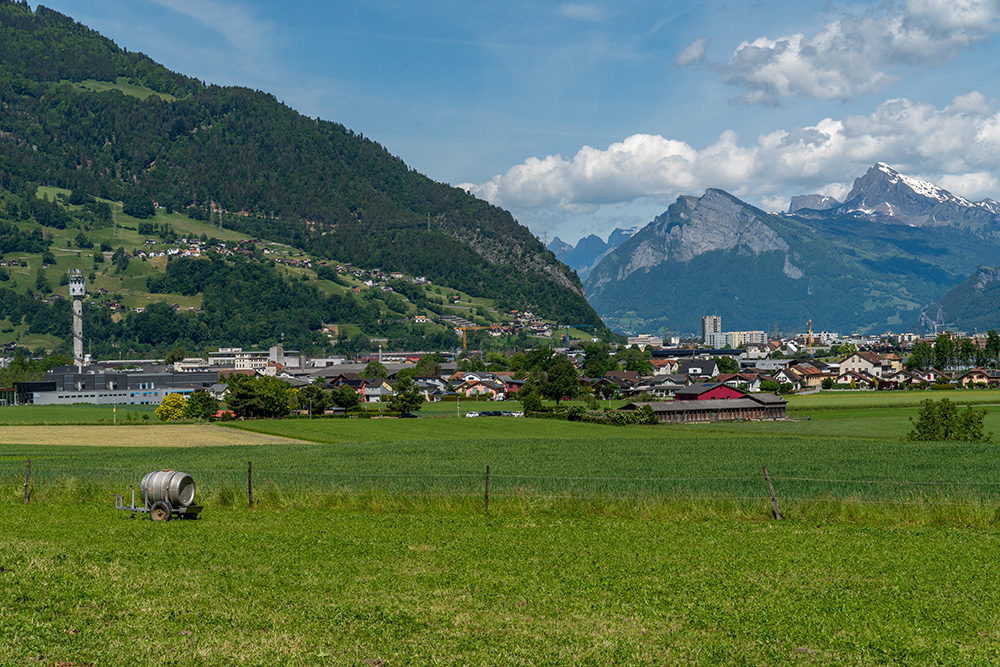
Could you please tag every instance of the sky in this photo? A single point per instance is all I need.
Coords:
(580, 117)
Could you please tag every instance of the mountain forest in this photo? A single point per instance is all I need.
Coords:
(125, 140)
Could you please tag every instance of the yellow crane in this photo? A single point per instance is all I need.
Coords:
(465, 329)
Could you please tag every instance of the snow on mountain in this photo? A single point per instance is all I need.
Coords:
(892, 197)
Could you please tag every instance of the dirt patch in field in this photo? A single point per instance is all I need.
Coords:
(181, 435)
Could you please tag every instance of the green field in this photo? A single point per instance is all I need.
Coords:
(307, 587)
(122, 85)
(841, 462)
(369, 544)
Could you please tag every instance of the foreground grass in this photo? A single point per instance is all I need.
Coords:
(311, 587)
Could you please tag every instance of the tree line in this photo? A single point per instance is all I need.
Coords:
(948, 353)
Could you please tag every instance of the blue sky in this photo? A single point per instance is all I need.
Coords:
(583, 116)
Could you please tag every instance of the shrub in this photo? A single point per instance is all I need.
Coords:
(942, 421)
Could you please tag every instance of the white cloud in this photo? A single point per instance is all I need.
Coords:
(978, 185)
(692, 53)
(777, 203)
(859, 53)
(958, 145)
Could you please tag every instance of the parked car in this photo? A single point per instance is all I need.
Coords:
(471, 414)
(517, 413)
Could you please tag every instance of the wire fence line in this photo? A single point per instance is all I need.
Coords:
(41, 477)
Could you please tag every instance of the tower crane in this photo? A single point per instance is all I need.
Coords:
(464, 330)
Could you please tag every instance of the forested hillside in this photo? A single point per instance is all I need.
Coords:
(241, 157)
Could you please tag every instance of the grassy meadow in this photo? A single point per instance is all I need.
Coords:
(300, 587)
(369, 543)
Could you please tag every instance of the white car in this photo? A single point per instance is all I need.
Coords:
(471, 414)
(517, 413)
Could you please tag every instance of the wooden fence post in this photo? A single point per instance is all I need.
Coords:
(487, 488)
(26, 476)
(774, 500)
(250, 483)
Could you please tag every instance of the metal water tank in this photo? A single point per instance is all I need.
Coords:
(172, 486)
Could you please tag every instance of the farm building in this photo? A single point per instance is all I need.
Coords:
(746, 407)
(707, 391)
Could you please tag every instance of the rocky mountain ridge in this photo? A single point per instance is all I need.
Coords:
(870, 263)
(885, 195)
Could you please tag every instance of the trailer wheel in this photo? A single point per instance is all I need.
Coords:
(160, 511)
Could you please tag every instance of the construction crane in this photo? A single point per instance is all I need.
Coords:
(464, 329)
(810, 338)
(575, 326)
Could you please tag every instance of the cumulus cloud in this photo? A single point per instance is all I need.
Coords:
(958, 146)
(692, 53)
(977, 185)
(859, 53)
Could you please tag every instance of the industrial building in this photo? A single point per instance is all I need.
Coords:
(96, 384)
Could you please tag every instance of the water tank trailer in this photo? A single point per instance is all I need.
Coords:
(164, 493)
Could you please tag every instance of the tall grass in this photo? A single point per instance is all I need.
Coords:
(839, 467)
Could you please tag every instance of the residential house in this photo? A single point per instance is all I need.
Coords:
(786, 376)
(903, 378)
(891, 363)
(979, 377)
(491, 389)
(933, 375)
(352, 380)
(809, 375)
(869, 363)
(749, 382)
(664, 385)
(858, 379)
(698, 369)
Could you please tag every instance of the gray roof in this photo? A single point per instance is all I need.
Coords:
(749, 401)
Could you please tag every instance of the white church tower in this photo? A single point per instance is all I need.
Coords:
(77, 290)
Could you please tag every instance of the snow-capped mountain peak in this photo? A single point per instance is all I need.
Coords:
(890, 196)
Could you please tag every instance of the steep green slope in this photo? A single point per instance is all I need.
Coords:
(265, 169)
(972, 306)
(240, 292)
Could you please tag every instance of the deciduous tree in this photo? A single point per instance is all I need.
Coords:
(942, 420)
(171, 407)
(200, 405)
(406, 396)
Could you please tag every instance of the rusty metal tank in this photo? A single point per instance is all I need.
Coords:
(172, 486)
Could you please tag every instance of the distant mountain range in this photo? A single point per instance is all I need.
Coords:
(589, 250)
(870, 263)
